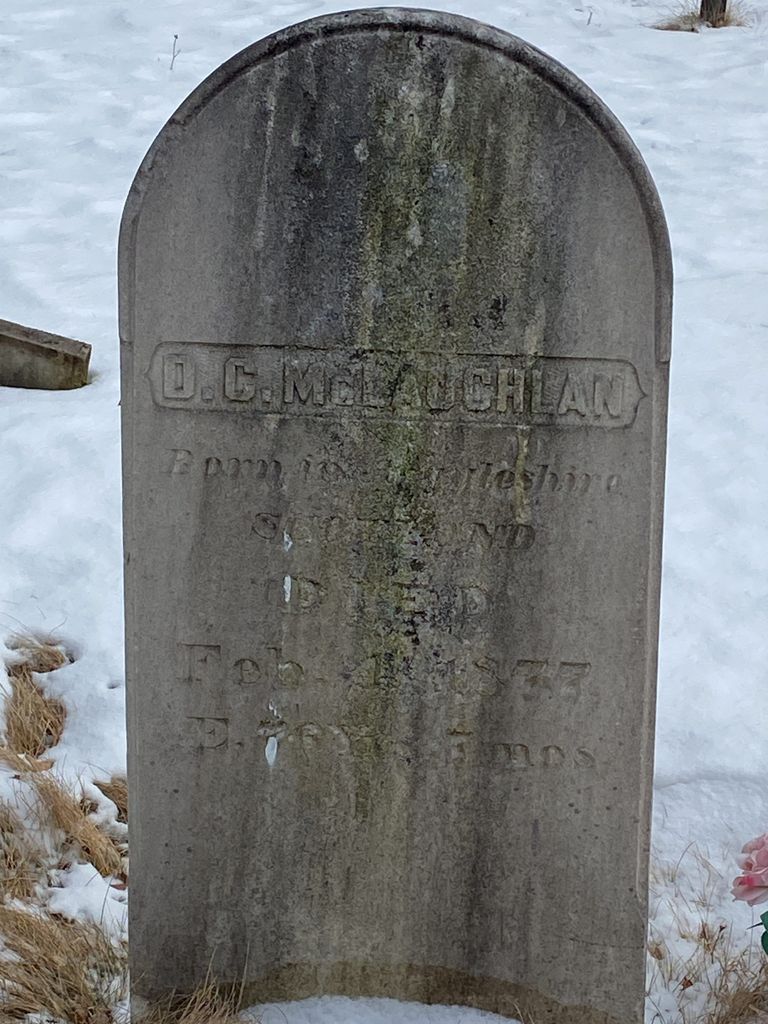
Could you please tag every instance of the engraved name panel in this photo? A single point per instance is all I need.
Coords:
(505, 390)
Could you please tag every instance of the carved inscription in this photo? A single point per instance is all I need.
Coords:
(500, 390)
(210, 733)
(466, 677)
(201, 662)
(497, 479)
(481, 535)
(535, 680)
(267, 667)
(521, 756)
(297, 595)
(311, 739)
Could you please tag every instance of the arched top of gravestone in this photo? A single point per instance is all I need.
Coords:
(422, 22)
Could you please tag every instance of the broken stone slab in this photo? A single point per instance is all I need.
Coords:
(35, 359)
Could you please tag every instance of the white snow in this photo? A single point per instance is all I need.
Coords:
(337, 1010)
(84, 88)
(82, 892)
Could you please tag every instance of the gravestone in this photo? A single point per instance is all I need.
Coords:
(395, 306)
(30, 358)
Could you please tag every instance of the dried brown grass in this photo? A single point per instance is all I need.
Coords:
(40, 655)
(731, 982)
(59, 970)
(686, 18)
(21, 763)
(116, 790)
(22, 860)
(65, 811)
(210, 1004)
(741, 997)
(52, 968)
(714, 976)
(34, 721)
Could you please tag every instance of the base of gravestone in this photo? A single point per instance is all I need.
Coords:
(36, 359)
(419, 984)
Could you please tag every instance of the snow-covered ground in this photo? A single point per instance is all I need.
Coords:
(329, 1010)
(86, 85)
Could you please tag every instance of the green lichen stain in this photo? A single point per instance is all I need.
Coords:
(438, 272)
(423, 190)
(388, 623)
(400, 165)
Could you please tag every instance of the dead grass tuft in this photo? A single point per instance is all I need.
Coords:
(33, 721)
(687, 18)
(745, 1001)
(702, 968)
(742, 996)
(68, 813)
(39, 655)
(116, 790)
(22, 861)
(22, 763)
(210, 1004)
(59, 970)
(684, 21)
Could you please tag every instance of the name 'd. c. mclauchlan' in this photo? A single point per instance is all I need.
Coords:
(501, 389)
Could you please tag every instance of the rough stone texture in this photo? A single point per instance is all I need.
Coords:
(395, 294)
(35, 359)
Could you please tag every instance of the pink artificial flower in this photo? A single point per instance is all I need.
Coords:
(752, 884)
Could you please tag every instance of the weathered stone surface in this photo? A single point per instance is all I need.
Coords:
(395, 296)
(35, 359)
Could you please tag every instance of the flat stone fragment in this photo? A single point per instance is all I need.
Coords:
(395, 310)
(35, 359)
